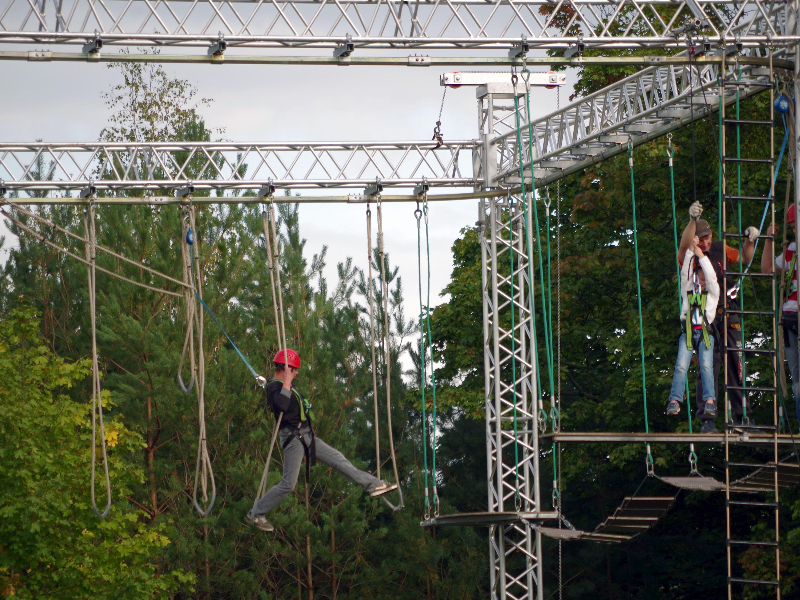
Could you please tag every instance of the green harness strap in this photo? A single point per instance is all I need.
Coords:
(305, 407)
(697, 301)
(790, 272)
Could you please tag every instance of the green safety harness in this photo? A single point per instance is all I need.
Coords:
(697, 302)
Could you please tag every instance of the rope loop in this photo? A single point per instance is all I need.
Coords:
(555, 418)
(526, 74)
(649, 463)
(542, 417)
(693, 462)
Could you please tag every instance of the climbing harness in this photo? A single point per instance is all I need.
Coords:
(426, 351)
(203, 469)
(97, 403)
(697, 305)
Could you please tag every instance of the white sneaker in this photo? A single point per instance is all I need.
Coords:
(260, 522)
(382, 488)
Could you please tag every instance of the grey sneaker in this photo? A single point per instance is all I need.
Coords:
(710, 408)
(382, 488)
(707, 426)
(673, 408)
(260, 522)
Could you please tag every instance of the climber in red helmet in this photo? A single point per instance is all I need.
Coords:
(298, 440)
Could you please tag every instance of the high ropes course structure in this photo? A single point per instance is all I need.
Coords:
(707, 56)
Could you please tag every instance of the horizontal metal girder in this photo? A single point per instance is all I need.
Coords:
(606, 437)
(461, 25)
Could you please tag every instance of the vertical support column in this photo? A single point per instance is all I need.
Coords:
(511, 393)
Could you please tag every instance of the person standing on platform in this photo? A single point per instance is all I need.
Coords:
(719, 252)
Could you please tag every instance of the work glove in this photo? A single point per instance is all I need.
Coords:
(261, 381)
(695, 210)
(752, 233)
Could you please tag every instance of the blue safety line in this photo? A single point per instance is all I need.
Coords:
(769, 197)
(190, 241)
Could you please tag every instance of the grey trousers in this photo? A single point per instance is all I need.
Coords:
(293, 459)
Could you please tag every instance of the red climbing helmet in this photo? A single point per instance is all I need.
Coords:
(790, 214)
(294, 358)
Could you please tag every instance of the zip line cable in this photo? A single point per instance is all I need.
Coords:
(97, 402)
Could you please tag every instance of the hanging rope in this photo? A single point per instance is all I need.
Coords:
(649, 457)
(422, 361)
(97, 403)
(203, 469)
(387, 362)
(430, 351)
(271, 248)
(371, 303)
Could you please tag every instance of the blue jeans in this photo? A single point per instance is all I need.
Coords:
(794, 369)
(706, 358)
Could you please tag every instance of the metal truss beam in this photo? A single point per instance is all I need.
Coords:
(373, 61)
(460, 25)
(635, 110)
(116, 166)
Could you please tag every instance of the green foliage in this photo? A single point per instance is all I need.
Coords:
(51, 544)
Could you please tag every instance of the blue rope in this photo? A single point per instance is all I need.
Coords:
(190, 241)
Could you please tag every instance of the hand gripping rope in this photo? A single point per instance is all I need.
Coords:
(203, 469)
(97, 403)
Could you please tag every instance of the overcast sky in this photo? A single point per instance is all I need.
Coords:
(61, 102)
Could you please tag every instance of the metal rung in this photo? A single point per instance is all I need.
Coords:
(732, 83)
(757, 313)
(749, 543)
(756, 198)
(750, 465)
(742, 235)
(759, 427)
(758, 161)
(745, 122)
(753, 581)
(749, 273)
(750, 350)
(751, 503)
(751, 388)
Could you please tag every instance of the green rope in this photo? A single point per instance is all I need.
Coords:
(430, 350)
(649, 458)
(546, 308)
(720, 199)
(422, 357)
(741, 242)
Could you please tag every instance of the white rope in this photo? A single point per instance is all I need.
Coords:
(97, 404)
(88, 263)
(272, 249)
(203, 469)
(74, 236)
(371, 302)
(387, 357)
(191, 306)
